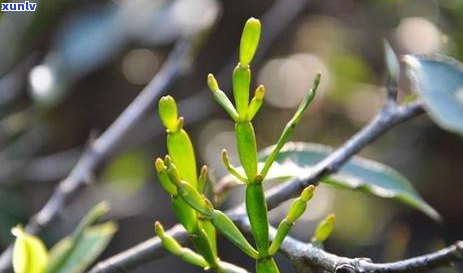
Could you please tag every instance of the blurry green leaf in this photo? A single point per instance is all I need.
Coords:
(392, 63)
(92, 242)
(352, 71)
(324, 229)
(29, 253)
(127, 172)
(439, 82)
(61, 253)
(360, 174)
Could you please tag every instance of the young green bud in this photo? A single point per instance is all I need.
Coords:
(168, 112)
(392, 63)
(256, 102)
(212, 82)
(249, 40)
(241, 84)
(163, 177)
(202, 178)
(193, 198)
(297, 209)
(176, 249)
(324, 229)
(307, 193)
(300, 204)
(172, 171)
(180, 123)
(168, 242)
(159, 229)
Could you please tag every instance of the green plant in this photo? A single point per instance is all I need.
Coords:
(72, 254)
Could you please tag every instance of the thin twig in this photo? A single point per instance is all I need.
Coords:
(104, 145)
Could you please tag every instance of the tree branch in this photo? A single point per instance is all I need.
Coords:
(313, 257)
(105, 145)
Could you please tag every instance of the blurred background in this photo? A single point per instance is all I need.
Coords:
(70, 68)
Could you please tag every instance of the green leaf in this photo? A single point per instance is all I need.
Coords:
(92, 242)
(392, 63)
(296, 159)
(29, 253)
(439, 82)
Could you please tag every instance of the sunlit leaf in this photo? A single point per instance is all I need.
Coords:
(297, 159)
(29, 253)
(439, 83)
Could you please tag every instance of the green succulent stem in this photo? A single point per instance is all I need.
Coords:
(247, 148)
(256, 208)
(266, 265)
(291, 125)
(176, 249)
(296, 210)
(221, 98)
(283, 229)
(232, 170)
(241, 85)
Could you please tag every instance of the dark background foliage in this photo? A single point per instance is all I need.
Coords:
(99, 55)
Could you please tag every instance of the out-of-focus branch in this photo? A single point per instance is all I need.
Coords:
(103, 146)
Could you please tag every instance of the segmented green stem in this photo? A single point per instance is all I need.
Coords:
(290, 126)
